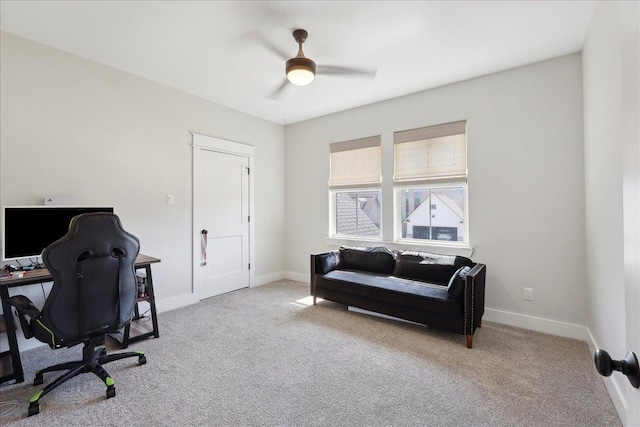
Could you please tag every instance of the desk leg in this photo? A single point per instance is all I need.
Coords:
(18, 373)
(152, 301)
(127, 330)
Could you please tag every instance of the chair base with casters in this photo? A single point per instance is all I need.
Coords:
(94, 353)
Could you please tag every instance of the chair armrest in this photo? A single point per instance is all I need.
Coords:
(24, 307)
(323, 263)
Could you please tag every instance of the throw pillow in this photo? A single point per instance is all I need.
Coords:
(456, 283)
(375, 260)
(427, 267)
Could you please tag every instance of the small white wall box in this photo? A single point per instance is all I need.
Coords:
(61, 201)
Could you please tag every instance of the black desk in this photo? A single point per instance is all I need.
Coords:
(10, 363)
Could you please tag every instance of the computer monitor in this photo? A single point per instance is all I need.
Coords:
(28, 230)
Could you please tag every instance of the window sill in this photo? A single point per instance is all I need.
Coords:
(444, 249)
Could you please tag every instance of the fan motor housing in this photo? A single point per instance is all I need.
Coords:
(302, 63)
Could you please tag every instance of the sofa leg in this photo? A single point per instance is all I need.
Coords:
(479, 324)
(469, 341)
(314, 300)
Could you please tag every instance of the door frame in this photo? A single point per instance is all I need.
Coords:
(209, 143)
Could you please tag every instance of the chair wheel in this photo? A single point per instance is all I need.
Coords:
(111, 392)
(34, 409)
(142, 360)
(39, 379)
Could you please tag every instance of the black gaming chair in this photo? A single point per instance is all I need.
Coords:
(93, 294)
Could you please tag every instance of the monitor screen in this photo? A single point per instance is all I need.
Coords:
(28, 230)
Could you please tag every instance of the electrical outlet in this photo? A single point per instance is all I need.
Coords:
(170, 199)
(528, 294)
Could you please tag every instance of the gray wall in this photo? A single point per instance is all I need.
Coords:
(76, 128)
(526, 182)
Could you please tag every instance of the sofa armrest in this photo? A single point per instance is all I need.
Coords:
(474, 298)
(322, 264)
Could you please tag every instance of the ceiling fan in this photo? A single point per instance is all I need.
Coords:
(301, 70)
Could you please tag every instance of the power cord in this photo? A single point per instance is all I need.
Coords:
(9, 408)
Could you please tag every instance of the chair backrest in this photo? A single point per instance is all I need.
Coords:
(95, 287)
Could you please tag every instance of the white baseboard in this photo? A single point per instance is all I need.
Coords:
(279, 275)
(176, 302)
(267, 278)
(298, 277)
(512, 319)
(188, 299)
(617, 395)
(553, 327)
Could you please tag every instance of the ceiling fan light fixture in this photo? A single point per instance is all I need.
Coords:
(300, 71)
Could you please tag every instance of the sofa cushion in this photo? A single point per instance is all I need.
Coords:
(428, 267)
(392, 290)
(456, 283)
(375, 260)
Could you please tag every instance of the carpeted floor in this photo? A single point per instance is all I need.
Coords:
(266, 357)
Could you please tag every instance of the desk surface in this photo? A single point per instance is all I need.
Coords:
(43, 275)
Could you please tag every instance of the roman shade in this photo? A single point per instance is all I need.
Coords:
(355, 163)
(431, 155)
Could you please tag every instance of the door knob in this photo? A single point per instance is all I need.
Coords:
(628, 366)
(204, 242)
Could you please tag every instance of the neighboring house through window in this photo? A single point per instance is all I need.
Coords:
(354, 188)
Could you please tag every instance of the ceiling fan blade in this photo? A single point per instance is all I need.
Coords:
(257, 37)
(345, 71)
(271, 47)
(276, 94)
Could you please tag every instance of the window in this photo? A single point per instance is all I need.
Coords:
(430, 183)
(357, 213)
(354, 188)
(441, 215)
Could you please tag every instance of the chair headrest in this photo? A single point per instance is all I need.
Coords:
(90, 234)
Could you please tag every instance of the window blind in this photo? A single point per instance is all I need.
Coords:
(355, 163)
(434, 154)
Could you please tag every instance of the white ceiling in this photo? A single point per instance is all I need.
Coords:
(217, 50)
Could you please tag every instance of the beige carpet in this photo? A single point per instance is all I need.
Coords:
(264, 357)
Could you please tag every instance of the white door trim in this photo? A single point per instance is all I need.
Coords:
(222, 145)
(204, 142)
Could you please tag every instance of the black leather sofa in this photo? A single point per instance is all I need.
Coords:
(441, 291)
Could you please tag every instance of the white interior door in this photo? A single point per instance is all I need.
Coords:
(222, 208)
